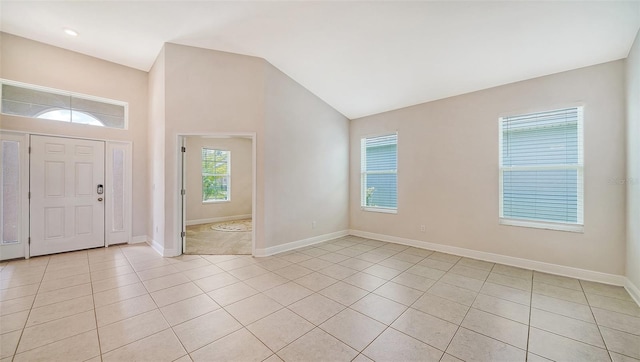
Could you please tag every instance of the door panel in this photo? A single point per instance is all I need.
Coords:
(66, 211)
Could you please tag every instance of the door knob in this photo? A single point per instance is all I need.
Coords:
(99, 198)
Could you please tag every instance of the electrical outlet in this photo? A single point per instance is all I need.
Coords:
(423, 228)
(313, 224)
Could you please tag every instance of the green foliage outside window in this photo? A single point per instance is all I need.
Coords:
(215, 175)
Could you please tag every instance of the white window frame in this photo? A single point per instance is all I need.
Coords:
(69, 94)
(539, 224)
(227, 175)
(364, 173)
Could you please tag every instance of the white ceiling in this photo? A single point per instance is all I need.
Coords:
(361, 57)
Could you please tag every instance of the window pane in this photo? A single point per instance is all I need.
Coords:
(379, 157)
(27, 102)
(10, 191)
(382, 190)
(545, 138)
(550, 195)
(118, 189)
(214, 188)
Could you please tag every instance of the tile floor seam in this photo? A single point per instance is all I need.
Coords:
(95, 319)
(24, 327)
(604, 343)
(458, 326)
(529, 319)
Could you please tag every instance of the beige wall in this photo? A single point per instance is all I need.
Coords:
(306, 163)
(40, 64)
(633, 163)
(241, 179)
(156, 170)
(208, 91)
(448, 170)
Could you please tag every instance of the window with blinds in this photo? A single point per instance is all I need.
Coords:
(216, 175)
(44, 103)
(379, 173)
(541, 169)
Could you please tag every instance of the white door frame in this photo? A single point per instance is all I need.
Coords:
(24, 136)
(23, 236)
(181, 181)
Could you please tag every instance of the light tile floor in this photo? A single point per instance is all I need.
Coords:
(347, 299)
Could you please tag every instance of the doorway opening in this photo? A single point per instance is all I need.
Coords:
(63, 194)
(218, 193)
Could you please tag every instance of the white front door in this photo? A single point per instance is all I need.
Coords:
(67, 194)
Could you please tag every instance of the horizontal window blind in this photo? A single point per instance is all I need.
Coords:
(60, 106)
(541, 166)
(216, 175)
(379, 164)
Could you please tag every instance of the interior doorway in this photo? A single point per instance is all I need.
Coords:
(218, 193)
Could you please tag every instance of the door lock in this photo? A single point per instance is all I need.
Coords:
(100, 189)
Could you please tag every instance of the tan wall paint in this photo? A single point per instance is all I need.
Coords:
(633, 163)
(241, 178)
(156, 134)
(208, 91)
(40, 64)
(306, 163)
(448, 170)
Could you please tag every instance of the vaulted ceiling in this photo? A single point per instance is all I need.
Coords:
(361, 57)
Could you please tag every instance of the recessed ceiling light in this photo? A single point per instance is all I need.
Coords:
(70, 32)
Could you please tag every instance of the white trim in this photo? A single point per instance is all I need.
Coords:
(164, 252)
(139, 239)
(384, 210)
(299, 243)
(633, 290)
(179, 215)
(218, 219)
(567, 271)
(574, 228)
(156, 246)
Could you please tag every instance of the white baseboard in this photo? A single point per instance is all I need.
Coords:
(164, 252)
(218, 219)
(633, 290)
(299, 243)
(139, 239)
(567, 271)
(156, 246)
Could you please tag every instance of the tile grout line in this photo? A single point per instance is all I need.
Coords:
(35, 296)
(526, 356)
(596, 320)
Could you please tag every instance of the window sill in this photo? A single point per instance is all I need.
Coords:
(379, 209)
(574, 228)
(215, 201)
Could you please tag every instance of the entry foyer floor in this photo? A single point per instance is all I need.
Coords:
(347, 299)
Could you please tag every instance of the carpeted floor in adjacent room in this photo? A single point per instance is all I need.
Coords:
(203, 239)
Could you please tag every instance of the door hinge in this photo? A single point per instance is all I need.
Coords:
(183, 192)
(29, 195)
(183, 149)
(29, 240)
(183, 234)
(29, 149)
